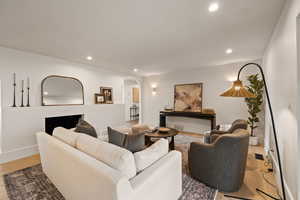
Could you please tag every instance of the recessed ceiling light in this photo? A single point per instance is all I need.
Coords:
(89, 58)
(135, 70)
(228, 51)
(213, 7)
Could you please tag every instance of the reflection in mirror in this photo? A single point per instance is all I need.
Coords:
(59, 90)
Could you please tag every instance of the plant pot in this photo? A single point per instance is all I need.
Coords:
(253, 140)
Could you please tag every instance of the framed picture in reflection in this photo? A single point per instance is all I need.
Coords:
(99, 99)
(107, 92)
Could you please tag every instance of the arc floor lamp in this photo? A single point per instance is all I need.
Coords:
(238, 90)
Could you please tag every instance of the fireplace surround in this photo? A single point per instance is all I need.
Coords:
(68, 122)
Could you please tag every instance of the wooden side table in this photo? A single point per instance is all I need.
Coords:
(171, 134)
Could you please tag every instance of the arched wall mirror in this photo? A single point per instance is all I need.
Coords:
(62, 90)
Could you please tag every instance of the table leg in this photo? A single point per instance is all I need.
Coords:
(172, 143)
(213, 123)
(147, 140)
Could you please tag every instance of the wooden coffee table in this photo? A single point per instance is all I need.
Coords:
(171, 134)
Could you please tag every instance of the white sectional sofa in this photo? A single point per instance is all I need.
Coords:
(79, 174)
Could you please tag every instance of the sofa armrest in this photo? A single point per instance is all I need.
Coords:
(65, 166)
(160, 181)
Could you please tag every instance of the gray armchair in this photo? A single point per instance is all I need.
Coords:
(221, 164)
(214, 134)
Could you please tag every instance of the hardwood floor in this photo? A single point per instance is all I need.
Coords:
(253, 179)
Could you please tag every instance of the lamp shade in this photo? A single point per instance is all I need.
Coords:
(238, 90)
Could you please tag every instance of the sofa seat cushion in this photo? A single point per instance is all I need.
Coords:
(147, 157)
(66, 135)
(112, 155)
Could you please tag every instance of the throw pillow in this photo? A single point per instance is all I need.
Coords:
(131, 142)
(147, 157)
(84, 127)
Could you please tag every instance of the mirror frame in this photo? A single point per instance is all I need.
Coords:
(58, 76)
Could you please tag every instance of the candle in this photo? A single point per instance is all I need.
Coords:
(14, 78)
(22, 84)
(28, 82)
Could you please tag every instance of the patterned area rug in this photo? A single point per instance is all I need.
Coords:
(32, 184)
(193, 190)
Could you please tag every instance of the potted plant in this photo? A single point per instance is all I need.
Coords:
(256, 86)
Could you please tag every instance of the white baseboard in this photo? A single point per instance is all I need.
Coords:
(18, 153)
(287, 188)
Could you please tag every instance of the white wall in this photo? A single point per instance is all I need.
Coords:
(280, 61)
(38, 67)
(20, 124)
(215, 81)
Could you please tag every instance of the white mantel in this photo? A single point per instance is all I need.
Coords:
(19, 125)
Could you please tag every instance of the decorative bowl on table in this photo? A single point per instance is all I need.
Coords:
(164, 130)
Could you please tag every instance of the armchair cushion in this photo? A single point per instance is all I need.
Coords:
(238, 124)
(225, 129)
(136, 129)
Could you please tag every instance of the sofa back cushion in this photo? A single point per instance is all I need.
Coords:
(112, 155)
(147, 157)
(66, 135)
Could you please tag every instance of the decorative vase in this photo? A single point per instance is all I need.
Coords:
(253, 140)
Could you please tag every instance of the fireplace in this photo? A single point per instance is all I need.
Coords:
(64, 121)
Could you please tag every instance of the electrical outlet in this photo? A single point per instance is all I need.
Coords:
(259, 156)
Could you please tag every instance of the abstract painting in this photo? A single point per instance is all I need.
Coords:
(188, 97)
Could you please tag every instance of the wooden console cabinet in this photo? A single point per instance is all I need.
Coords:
(164, 114)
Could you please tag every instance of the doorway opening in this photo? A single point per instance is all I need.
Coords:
(132, 101)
